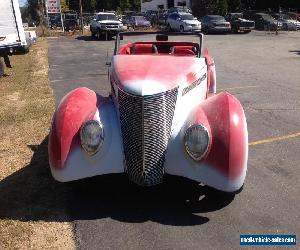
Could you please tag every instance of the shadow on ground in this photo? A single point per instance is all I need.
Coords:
(90, 38)
(31, 194)
(297, 52)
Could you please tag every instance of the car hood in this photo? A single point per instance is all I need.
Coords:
(244, 20)
(191, 21)
(220, 22)
(109, 21)
(150, 74)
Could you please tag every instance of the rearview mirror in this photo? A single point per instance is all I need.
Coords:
(161, 38)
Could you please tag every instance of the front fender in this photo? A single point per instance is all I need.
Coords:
(68, 161)
(225, 166)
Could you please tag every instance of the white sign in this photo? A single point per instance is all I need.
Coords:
(53, 6)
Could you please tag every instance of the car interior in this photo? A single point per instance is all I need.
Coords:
(160, 48)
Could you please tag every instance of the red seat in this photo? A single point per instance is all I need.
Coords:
(183, 50)
(144, 49)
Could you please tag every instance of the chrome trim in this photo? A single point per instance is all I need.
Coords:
(146, 123)
(208, 144)
(102, 137)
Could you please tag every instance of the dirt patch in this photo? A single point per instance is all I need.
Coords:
(32, 204)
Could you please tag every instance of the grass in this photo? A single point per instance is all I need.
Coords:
(32, 204)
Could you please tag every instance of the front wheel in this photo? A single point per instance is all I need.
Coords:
(98, 35)
(181, 28)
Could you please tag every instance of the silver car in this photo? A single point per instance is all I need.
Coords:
(183, 21)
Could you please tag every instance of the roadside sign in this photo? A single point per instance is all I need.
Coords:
(53, 6)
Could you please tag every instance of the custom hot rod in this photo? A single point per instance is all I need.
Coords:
(162, 116)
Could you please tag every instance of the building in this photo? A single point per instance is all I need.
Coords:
(163, 4)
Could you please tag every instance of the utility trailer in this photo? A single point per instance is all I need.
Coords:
(12, 35)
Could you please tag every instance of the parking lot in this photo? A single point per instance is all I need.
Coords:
(262, 71)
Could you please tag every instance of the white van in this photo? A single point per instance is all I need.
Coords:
(12, 35)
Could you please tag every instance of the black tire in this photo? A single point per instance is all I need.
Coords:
(247, 31)
(2, 66)
(235, 30)
(98, 34)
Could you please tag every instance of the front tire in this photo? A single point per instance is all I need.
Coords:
(98, 34)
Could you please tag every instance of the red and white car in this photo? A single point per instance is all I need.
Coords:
(163, 116)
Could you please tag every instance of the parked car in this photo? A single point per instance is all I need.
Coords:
(138, 21)
(238, 23)
(215, 23)
(287, 22)
(151, 16)
(162, 17)
(70, 21)
(183, 21)
(153, 124)
(105, 24)
(293, 15)
(264, 21)
(55, 22)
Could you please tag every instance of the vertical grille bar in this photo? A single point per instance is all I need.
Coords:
(146, 125)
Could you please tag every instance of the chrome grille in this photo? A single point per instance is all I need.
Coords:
(146, 125)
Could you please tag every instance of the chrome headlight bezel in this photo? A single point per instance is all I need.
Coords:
(88, 148)
(208, 143)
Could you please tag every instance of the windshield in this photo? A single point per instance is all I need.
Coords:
(286, 17)
(217, 18)
(187, 17)
(267, 17)
(103, 17)
(237, 16)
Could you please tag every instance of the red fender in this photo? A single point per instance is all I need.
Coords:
(225, 119)
(75, 108)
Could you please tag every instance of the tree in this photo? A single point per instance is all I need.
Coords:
(125, 5)
(234, 5)
(204, 7)
(222, 7)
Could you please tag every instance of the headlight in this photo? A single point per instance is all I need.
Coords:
(197, 141)
(91, 136)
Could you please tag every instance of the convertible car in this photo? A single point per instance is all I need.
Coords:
(162, 116)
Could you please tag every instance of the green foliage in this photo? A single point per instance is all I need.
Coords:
(222, 7)
(234, 5)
